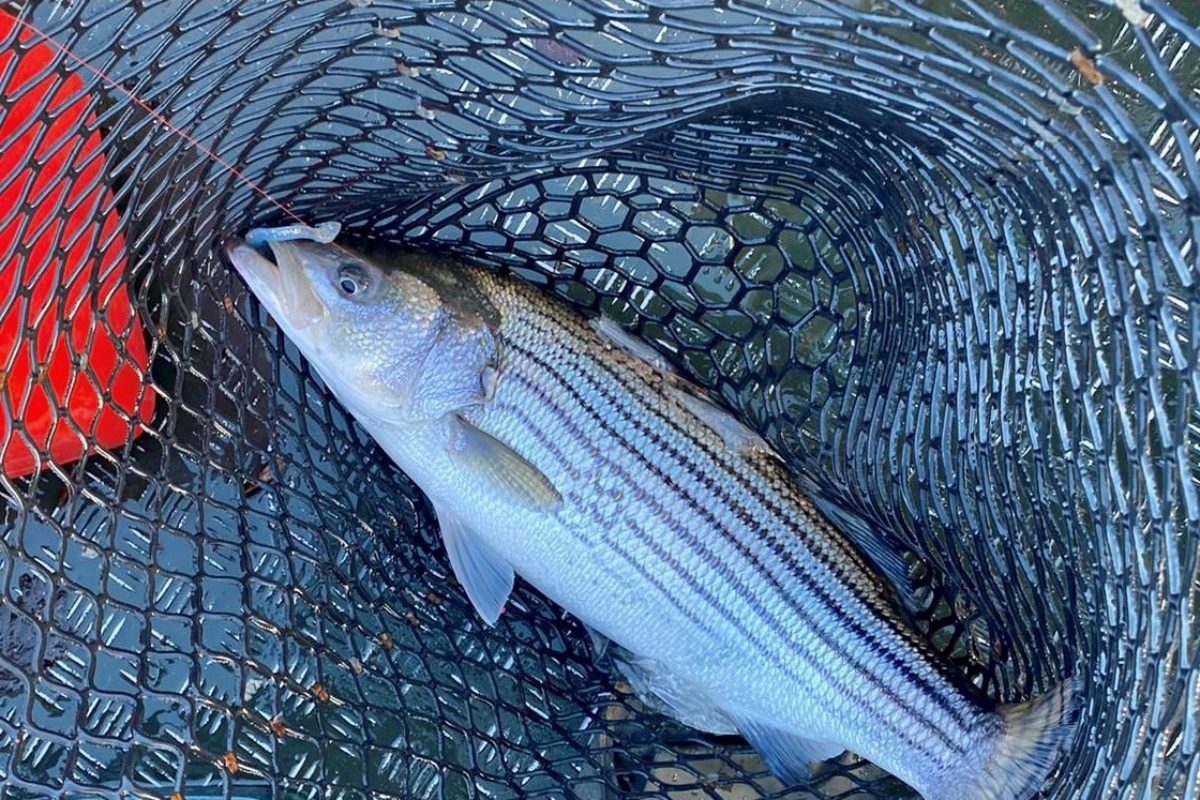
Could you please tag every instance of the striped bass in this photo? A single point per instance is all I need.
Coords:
(550, 448)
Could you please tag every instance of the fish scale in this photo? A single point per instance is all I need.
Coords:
(552, 450)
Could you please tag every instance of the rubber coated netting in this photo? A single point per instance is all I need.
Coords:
(943, 253)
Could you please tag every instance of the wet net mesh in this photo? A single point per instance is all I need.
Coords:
(943, 254)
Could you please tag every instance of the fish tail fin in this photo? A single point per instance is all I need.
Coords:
(1031, 737)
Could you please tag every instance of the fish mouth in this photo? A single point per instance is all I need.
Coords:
(282, 285)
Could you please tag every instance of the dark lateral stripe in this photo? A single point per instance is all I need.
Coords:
(545, 438)
(817, 545)
(828, 637)
(559, 328)
(844, 554)
(834, 612)
(891, 652)
(882, 648)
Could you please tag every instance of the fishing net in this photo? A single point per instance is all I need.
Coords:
(942, 254)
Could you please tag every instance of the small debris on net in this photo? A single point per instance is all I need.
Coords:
(552, 48)
(231, 763)
(278, 728)
(265, 476)
(404, 69)
(64, 497)
(385, 639)
(1087, 67)
(914, 227)
(387, 33)
(1133, 12)
(321, 693)
(435, 153)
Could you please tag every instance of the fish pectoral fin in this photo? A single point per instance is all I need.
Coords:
(502, 469)
(736, 435)
(486, 577)
(790, 758)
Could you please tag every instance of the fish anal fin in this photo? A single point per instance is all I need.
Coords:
(600, 642)
(668, 693)
(1033, 737)
(501, 468)
(790, 758)
(487, 578)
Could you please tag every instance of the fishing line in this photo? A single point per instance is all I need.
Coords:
(199, 146)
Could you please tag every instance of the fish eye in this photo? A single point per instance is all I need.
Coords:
(352, 279)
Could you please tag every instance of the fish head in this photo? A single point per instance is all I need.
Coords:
(373, 330)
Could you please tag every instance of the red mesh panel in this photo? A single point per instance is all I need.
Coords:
(72, 356)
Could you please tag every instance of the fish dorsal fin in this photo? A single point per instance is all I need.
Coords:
(611, 330)
(790, 758)
(873, 545)
(501, 468)
(736, 435)
(486, 577)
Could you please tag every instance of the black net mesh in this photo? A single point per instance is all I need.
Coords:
(943, 254)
